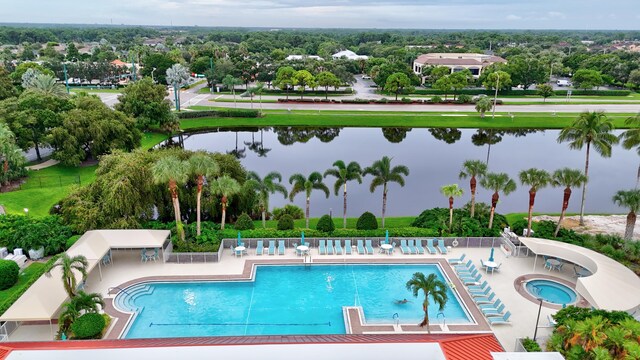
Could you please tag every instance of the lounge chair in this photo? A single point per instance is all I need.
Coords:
(419, 247)
(259, 247)
(403, 247)
(472, 274)
(478, 287)
(360, 248)
(471, 269)
(281, 247)
(470, 281)
(322, 247)
(464, 266)
(441, 247)
(480, 293)
(412, 247)
(430, 247)
(494, 312)
(458, 260)
(368, 247)
(338, 248)
(272, 247)
(495, 305)
(347, 247)
(500, 320)
(484, 299)
(330, 250)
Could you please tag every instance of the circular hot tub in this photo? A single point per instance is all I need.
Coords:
(551, 291)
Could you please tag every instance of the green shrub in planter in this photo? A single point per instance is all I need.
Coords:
(88, 326)
(72, 240)
(367, 221)
(531, 345)
(244, 222)
(8, 274)
(436, 99)
(464, 99)
(325, 224)
(285, 222)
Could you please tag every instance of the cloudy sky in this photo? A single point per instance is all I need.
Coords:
(420, 14)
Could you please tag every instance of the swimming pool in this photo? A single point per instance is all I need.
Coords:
(551, 291)
(283, 300)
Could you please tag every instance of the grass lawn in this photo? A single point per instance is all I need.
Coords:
(390, 222)
(10, 295)
(151, 139)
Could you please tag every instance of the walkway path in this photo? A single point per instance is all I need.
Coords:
(44, 165)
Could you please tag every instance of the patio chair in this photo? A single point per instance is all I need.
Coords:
(494, 312)
(393, 248)
(441, 247)
(430, 248)
(360, 248)
(272, 247)
(403, 247)
(467, 272)
(322, 247)
(458, 260)
(330, 250)
(368, 247)
(471, 275)
(484, 300)
(281, 247)
(497, 268)
(259, 247)
(419, 247)
(412, 247)
(338, 247)
(490, 306)
(471, 281)
(484, 266)
(500, 320)
(480, 293)
(478, 287)
(106, 259)
(347, 247)
(464, 266)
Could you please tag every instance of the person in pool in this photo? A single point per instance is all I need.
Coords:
(403, 301)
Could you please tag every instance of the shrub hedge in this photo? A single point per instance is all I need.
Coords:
(72, 240)
(578, 314)
(367, 221)
(9, 300)
(522, 92)
(285, 222)
(292, 210)
(243, 222)
(88, 326)
(9, 271)
(236, 113)
(348, 233)
(26, 232)
(531, 345)
(325, 224)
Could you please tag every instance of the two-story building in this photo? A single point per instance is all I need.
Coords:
(456, 62)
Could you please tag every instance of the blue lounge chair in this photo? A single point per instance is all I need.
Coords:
(360, 248)
(473, 275)
(412, 247)
(322, 247)
(347, 247)
(430, 247)
(484, 299)
(471, 269)
(458, 260)
(500, 320)
(464, 266)
(281, 247)
(495, 305)
(478, 287)
(441, 247)
(259, 247)
(272, 247)
(470, 281)
(338, 248)
(481, 293)
(403, 247)
(330, 247)
(494, 312)
(368, 247)
(419, 247)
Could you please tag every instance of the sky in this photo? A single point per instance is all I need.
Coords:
(387, 14)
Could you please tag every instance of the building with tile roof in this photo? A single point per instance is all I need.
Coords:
(475, 63)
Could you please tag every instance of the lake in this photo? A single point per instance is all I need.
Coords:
(434, 157)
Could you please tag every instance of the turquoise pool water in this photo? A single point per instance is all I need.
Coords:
(551, 291)
(283, 300)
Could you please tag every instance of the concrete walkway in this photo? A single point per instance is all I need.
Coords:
(43, 165)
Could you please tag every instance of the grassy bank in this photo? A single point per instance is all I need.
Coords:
(27, 277)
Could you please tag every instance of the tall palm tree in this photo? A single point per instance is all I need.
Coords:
(300, 184)
(451, 191)
(498, 182)
(473, 169)
(201, 165)
(177, 75)
(431, 287)
(47, 84)
(172, 171)
(629, 199)
(266, 187)
(343, 174)
(80, 304)
(568, 178)
(383, 173)
(225, 186)
(590, 129)
(631, 138)
(536, 179)
(70, 265)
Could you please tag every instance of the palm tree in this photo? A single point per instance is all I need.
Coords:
(536, 179)
(201, 165)
(382, 175)
(451, 191)
(300, 184)
(631, 138)
(68, 264)
(170, 170)
(47, 84)
(344, 173)
(473, 169)
(177, 75)
(568, 178)
(483, 105)
(265, 187)
(78, 305)
(430, 286)
(629, 199)
(226, 187)
(230, 82)
(591, 129)
(497, 182)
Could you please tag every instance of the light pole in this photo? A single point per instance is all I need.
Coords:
(535, 333)
(211, 65)
(66, 79)
(495, 96)
(152, 79)
(26, 212)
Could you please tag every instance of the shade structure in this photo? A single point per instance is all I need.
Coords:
(302, 241)
(386, 236)
(491, 256)
(239, 239)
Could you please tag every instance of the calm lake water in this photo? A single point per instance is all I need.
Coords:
(434, 157)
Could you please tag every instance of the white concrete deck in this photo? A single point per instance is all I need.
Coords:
(127, 266)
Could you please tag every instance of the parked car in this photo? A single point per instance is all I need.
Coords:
(560, 82)
(366, 77)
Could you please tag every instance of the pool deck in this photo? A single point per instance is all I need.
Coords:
(127, 269)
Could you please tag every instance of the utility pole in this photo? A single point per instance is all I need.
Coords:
(66, 78)
(495, 97)
(175, 96)
(211, 65)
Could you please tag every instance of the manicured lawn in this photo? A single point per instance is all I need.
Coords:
(390, 222)
(151, 139)
(10, 295)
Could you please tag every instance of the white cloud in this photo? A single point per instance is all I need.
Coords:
(556, 15)
(513, 17)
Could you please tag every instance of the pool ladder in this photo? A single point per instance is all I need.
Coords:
(444, 318)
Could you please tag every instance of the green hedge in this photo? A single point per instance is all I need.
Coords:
(348, 233)
(235, 113)
(531, 345)
(308, 93)
(15, 295)
(285, 222)
(367, 221)
(9, 270)
(522, 92)
(243, 222)
(27, 232)
(88, 326)
(325, 224)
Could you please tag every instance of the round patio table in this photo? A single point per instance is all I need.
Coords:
(303, 249)
(386, 248)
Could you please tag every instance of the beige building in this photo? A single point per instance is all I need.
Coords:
(456, 62)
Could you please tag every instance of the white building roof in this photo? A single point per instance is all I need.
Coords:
(302, 57)
(349, 55)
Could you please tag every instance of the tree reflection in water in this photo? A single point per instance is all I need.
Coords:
(291, 135)
(395, 134)
(448, 135)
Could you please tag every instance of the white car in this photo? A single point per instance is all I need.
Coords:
(366, 77)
